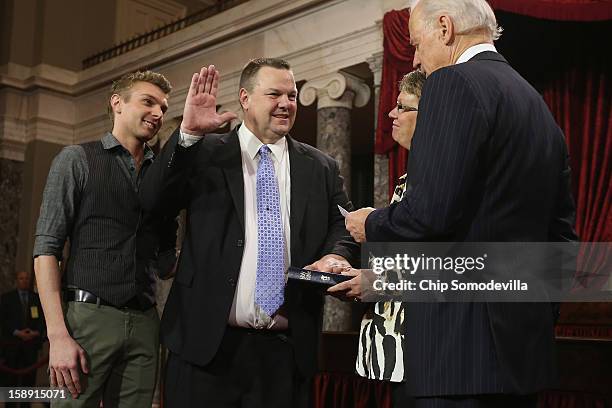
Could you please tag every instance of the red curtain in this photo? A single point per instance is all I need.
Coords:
(397, 61)
(580, 100)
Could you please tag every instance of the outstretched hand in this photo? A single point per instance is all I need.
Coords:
(200, 114)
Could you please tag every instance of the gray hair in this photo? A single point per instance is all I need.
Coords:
(467, 15)
(412, 83)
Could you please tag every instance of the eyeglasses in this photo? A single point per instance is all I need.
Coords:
(401, 108)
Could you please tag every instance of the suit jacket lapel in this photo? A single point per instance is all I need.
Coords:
(301, 177)
(229, 157)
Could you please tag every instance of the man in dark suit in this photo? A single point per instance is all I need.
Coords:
(22, 330)
(257, 201)
(488, 164)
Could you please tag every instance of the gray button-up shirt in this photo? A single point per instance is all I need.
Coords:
(65, 184)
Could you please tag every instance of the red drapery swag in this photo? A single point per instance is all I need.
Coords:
(397, 61)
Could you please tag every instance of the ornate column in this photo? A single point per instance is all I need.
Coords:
(381, 161)
(335, 95)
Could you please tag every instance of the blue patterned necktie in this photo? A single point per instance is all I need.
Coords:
(270, 285)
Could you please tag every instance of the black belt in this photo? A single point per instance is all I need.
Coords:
(80, 295)
(249, 331)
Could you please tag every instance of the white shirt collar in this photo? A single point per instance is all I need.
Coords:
(474, 50)
(251, 144)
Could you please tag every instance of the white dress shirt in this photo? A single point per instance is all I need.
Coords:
(245, 312)
(474, 50)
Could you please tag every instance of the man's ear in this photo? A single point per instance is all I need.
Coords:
(244, 98)
(115, 103)
(447, 29)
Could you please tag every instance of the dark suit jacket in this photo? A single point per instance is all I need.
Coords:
(488, 164)
(12, 317)
(207, 180)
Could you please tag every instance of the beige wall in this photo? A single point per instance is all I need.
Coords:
(22, 43)
(55, 32)
(75, 29)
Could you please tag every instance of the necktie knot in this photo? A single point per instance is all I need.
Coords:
(264, 151)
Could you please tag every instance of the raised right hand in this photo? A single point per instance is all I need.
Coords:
(200, 113)
(65, 359)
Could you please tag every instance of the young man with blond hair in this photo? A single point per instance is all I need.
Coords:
(104, 341)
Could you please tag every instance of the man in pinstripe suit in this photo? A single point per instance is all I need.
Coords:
(488, 164)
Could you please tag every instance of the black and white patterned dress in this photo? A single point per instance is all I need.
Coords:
(380, 354)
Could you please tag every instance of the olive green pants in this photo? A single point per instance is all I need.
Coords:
(122, 348)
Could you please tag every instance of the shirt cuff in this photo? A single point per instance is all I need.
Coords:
(48, 245)
(186, 140)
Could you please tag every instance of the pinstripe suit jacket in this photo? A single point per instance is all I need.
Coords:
(488, 164)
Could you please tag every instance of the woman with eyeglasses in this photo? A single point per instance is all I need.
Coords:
(380, 351)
